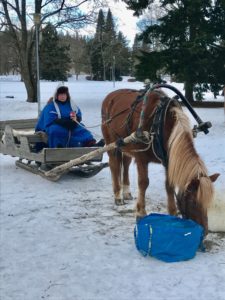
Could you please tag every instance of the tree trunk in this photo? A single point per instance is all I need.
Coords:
(189, 86)
(29, 81)
(31, 90)
(224, 97)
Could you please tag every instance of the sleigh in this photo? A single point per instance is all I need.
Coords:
(18, 139)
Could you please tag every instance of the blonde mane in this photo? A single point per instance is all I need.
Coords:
(184, 162)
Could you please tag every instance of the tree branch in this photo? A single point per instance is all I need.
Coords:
(9, 4)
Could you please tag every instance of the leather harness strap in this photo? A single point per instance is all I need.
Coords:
(157, 130)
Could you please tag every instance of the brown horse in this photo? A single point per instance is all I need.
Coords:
(185, 171)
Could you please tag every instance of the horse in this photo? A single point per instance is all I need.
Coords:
(186, 176)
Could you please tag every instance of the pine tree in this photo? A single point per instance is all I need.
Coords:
(54, 58)
(123, 56)
(110, 55)
(110, 47)
(9, 58)
(97, 46)
(78, 52)
(189, 33)
(138, 51)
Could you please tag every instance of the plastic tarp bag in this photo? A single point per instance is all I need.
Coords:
(168, 238)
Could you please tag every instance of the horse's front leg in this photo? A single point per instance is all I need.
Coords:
(143, 183)
(115, 168)
(171, 204)
(125, 178)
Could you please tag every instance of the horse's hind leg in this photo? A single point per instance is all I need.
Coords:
(143, 183)
(115, 160)
(171, 204)
(125, 177)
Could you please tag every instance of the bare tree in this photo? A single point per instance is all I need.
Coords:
(16, 17)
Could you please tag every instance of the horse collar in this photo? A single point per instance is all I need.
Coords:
(157, 129)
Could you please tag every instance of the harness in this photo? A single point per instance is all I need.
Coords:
(157, 127)
(157, 130)
(155, 137)
(132, 110)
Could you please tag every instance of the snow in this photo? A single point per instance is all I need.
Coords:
(67, 241)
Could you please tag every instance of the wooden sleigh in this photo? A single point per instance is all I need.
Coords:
(18, 139)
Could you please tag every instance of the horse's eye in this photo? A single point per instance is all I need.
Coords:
(187, 191)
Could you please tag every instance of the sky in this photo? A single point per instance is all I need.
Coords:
(124, 20)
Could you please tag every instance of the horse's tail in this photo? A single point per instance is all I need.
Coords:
(184, 162)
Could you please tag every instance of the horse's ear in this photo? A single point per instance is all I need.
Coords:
(214, 177)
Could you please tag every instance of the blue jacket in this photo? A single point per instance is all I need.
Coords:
(59, 136)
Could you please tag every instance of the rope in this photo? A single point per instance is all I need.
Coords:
(148, 140)
(105, 122)
(98, 125)
(94, 126)
(145, 139)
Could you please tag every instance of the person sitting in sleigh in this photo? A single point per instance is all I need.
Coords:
(60, 120)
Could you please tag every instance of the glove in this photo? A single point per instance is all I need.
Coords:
(66, 123)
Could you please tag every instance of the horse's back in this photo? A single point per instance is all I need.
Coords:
(116, 108)
(122, 97)
(121, 111)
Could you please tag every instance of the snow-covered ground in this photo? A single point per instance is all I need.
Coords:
(67, 241)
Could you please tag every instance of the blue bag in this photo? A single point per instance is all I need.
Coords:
(168, 238)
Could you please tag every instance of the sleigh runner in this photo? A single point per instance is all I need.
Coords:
(18, 139)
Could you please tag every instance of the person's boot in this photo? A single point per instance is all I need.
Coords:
(93, 143)
(100, 143)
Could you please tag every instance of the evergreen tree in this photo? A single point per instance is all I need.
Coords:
(54, 58)
(97, 46)
(123, 56)
(78, 52)
(9, 58)
(189, 33)
(110, 47)
(110, 54)
(138, 51)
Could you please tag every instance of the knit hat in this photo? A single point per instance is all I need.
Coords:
(62, 90)
(65, 90)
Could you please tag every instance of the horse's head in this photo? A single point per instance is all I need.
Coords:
(194, 201)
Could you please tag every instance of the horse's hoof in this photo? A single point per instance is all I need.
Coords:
(119, 202)
(128, 196)
(173, 212)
